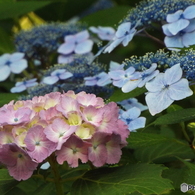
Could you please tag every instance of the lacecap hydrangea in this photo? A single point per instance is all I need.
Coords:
(68, 125)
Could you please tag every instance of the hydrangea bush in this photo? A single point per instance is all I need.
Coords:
(98, 99)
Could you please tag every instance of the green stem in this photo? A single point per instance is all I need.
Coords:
(184, 132)
(56, 174)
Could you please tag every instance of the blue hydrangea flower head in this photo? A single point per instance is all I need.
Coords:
(165, 88)
(150, 11)
(132, 102)
(77, 70)
(104, 33)
(56, 75)
(100, 79)
(23, 85)
(121, 77)
(124, 35)
(132, 119)
(14, 63)
(165, 60)
(40, 41)
(144, 77)
(78, 43)
(115, 66)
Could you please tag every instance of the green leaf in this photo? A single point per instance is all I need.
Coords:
(157, 148)
(7, 97)
(11, 9)
(137, 140)
(108, 17)
(176, 117)
(176, 175)
(190, 175)
(7, 183)
(6, 45)
(143, 178)
(37, 186)
(119, 96)
(181, 174)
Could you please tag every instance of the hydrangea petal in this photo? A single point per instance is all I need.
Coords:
(18, 66)
(84, 47)
(58, 71)
(180, 90)
(137, 123)
(50, 80)
(130, 85)
(4, 72)
(123, 29)
(158, 101)
(189, 12)
(115, 66)
(16, 56)
(128, 38)
(156, 84)
(173, 74)
(188, 39)
(173, 42)
(166, 30)
(66, 48)
(177, 26)
(175, 16)
(4, 58)
(190, 27)
(113, 44)
(66, 75)
(81, 36)
(63, 59)
(116, 74)
(18, 89)
(132, 113)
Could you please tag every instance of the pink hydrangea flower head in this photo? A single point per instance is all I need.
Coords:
(92, 115)
(73, 150)
(19, 133)
(67, 104)
(110, 117)
(49, 114)
(85, 131)
(85, 100)
(6, 137)
(52, 99)
(113, 149)
(37, 145)
(97, 153)
(15, 117)
(123, 131)
(74, 118)
(59, 131)
(17, 161)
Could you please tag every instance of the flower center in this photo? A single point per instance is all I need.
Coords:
(128, 120)
(8, 63)
(16, 120)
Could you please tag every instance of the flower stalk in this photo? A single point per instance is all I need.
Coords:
(56, 174)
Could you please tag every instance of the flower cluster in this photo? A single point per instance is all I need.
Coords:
(71, 76)
(40, 41)
(180, 28)
(12, 63)
(71, 126)
(149, 11)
